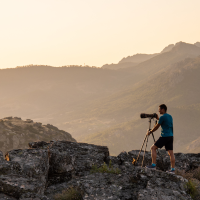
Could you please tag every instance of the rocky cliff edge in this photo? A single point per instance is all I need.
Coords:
(46, 169)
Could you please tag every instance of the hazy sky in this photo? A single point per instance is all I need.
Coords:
(94, 32)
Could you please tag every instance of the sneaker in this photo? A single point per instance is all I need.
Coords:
(151, 167)
(171, 171)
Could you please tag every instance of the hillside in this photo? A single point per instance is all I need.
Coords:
(167, 48)
(197, 44)
(17, 133)
(123, 106)
(193, 146)
(119, 65)
(131, 61)
(178, 53)
(38, 92)
(177, 86)
(136, 59)
(88, 100)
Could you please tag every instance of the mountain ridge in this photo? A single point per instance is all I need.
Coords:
(132, 61)
(182, 75)
(86, 101)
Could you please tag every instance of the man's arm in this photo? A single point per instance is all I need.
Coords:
(155, 128)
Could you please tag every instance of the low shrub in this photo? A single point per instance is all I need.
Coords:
(192, 186)
(71, 193)
(105, 169)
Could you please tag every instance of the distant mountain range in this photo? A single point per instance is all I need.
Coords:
(136, 59)
(176, 86)
(194, 146)
(103, 105)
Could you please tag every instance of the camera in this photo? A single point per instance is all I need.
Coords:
(143, 115)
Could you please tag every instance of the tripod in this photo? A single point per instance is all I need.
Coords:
(145, 140)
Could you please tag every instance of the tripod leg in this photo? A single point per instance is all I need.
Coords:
(141, 149)
(145, 151)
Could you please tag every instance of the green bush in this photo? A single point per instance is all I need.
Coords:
(191, 188)
(70, 193)
(192, 185)
(105, 169)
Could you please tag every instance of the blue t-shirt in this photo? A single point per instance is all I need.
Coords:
(166, 123)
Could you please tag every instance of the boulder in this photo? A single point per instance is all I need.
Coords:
(69, 159)
(24, 171)
(16, 185)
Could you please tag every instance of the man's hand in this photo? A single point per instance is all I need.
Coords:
(148, 132)
(157, 117)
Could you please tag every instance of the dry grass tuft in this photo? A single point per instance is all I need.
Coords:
(71, 193)
(193, 184)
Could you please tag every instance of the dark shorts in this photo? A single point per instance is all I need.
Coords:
(165, 141)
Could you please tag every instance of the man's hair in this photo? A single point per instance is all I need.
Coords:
(163, 106)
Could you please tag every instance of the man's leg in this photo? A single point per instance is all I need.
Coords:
(153, 153)
(172, 158)
(157, 144)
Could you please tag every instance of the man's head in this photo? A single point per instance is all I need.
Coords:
(162, 109)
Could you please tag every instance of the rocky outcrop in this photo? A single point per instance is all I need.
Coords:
(24, 171)
(48, 168)
(133, 183)
(34, 164)
(16, 133)
(69, 159)
(186, 162)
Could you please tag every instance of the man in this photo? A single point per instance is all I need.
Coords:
(166, 138)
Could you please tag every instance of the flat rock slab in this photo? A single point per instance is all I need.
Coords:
(16, 186)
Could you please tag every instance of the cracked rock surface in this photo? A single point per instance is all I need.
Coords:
(46, 169)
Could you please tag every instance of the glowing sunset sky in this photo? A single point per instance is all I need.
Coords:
(94, 32)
